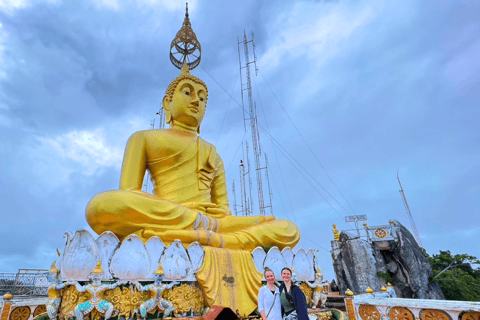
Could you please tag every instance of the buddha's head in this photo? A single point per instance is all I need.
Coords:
(185, 100)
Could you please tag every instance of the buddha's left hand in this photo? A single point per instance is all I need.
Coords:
(212, 209)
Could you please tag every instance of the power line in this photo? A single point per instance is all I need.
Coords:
(272, 139)
(309, 148)
(225, 115)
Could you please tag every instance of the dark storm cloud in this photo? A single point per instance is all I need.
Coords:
(372, 87)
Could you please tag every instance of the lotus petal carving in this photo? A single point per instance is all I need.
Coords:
(80, 257)
(176, 263)
(155, 248)
(131, 260)
(275, 261)
(303, 267)
(258, 255)
(287, 254)
(107, 243)
(196, 254)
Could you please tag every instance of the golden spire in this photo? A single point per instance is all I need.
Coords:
(185, 46)
(53, 268)
(98, 268)
(159, 269)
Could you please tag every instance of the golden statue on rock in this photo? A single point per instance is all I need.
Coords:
(189, 200)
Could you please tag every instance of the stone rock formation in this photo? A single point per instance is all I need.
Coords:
(359, 263)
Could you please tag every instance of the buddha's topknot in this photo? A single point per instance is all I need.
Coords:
(184, 74)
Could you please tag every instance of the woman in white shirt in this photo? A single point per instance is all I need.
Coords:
(269, 298)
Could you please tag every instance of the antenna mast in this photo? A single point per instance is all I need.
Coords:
(146, 181)
(405, 203)
(257, 151)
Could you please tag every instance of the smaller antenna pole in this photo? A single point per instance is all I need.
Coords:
(161, 115)
(234, 198)
(270, 194)
(249, 180)
(243, 193)
(405, 203)
(241, 85)
(146, 181)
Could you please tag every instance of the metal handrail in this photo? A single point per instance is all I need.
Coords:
(25, 282)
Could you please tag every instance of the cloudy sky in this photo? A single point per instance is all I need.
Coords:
(348, 92)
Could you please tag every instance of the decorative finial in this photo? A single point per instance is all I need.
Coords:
(369, 290)
(53, 268)
(384, 289)
(349, 293)
(7, 296)
(98, 268)
(159, 269)
(389, 284)
(185, 68)
(185, 46)
(58, 252)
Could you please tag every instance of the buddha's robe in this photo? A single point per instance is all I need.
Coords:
(188, 175)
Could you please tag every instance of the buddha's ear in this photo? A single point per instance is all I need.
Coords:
(198, 130)
(166, 108)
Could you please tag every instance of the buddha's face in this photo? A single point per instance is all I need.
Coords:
(188, 103)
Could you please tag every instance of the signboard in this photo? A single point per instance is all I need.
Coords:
(362, 217)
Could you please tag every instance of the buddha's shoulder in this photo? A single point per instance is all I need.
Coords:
(151, 134)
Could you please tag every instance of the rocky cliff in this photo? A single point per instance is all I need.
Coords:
(360, 264)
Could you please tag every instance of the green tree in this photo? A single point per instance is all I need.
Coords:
(458, 275)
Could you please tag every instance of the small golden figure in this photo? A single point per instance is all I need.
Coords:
(336, 233)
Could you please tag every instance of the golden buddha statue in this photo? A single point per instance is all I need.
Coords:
(189, 200)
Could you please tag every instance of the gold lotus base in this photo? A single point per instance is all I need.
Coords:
(185, 298)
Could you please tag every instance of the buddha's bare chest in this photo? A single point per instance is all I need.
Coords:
(167, 146)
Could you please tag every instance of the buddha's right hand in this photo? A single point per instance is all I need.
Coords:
(212, 209)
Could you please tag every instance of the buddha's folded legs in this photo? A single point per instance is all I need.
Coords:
(278, 232)
(126, 212)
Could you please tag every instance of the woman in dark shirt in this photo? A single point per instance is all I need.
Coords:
(294, 303)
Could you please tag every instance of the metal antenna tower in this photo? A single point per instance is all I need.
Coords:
(234, 198)
(161, 115)
(270, 194)
(405, 203)
(146, 180)
(243, 191)
(250, 210)
(252, 115)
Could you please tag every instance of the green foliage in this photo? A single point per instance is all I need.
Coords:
(42, 317)
(385, 276)
(458, 275)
